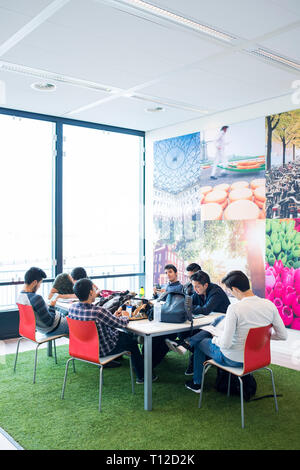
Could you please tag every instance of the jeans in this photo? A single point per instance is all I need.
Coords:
(62, 329)
(204, 349)
(126, 342)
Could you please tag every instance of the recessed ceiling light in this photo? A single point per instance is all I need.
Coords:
(272, 56)
(183, 21)
(156, 109)
(43, 86)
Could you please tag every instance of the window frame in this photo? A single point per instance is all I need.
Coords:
(57, 227)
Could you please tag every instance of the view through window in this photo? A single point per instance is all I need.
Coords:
(102, 194)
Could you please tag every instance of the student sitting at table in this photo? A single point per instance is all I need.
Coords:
(173, 285)
(190, 270)
(63, 285)
(227, 348)
(47, 319)
(111, 340)
(207, 298)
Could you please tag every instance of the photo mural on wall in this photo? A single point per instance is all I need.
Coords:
(283, 211)
(233, 181)
(228, 198)
(192, 173)
(283, 165)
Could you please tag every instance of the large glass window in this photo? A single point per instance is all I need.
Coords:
(94, 178)
(102, 201)
(26, 195)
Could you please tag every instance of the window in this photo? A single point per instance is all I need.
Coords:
(95, 179)
(26, 194)
(102, 210)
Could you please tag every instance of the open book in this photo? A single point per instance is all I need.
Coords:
(215, 330)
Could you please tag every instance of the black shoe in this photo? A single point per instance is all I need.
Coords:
(213, 177)
(194, 387)
(112, 364)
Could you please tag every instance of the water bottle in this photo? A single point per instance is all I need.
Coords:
(157, 312)
(142, 292)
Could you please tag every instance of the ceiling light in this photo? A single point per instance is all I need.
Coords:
(157, 109)
(166, 14)
(276, 58)
(49, 77)
(43, 86)
(170, 104)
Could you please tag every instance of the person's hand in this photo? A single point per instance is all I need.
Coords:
(118, 313)
(53, 302)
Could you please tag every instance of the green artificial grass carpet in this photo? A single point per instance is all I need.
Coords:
(37, 418)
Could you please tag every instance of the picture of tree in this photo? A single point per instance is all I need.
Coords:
(287, 132)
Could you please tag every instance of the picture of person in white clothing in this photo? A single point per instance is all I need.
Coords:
(220, 157)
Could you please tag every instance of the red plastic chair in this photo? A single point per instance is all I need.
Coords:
(84, 346)
(257, 355)
(27, 330)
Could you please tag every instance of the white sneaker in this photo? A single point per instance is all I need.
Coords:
(173, 346)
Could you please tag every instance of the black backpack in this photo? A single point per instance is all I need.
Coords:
(175, 308)
(249, 384)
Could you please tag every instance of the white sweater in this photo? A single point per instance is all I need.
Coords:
(250, 312)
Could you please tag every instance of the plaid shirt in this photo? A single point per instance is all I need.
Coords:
(106, 323)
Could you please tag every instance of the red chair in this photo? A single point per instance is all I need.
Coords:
(257, 355)
(27, 330)
(84, 346)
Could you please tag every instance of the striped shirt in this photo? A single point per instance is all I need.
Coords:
(106, 323)
(46, 318)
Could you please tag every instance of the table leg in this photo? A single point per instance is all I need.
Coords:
(148, 372)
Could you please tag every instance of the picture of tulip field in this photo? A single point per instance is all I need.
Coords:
(283, 268)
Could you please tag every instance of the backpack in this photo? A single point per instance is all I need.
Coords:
(249, 384)
(176, 308)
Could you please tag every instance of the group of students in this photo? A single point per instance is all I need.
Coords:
(226, 348)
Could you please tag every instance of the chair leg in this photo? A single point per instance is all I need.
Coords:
(100, 387)
(35, 363)
(65, 378)
(17, 352)
(131, 375)
(242, 402)
(228, 387)
(55, 356)
(273, 385)
(205, 368)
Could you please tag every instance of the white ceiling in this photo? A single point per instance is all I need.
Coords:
(146, 61)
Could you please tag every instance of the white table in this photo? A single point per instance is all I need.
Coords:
(148, 330)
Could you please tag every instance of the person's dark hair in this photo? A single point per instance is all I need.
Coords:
(34, 274)
(236, 279)
(193, 267)
(201, 277)
(171, 266)
(78, 273)
(224, 127)
(82, 289)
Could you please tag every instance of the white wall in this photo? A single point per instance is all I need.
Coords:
(245, 113)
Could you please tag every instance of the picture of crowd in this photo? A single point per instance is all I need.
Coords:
(282, 185)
